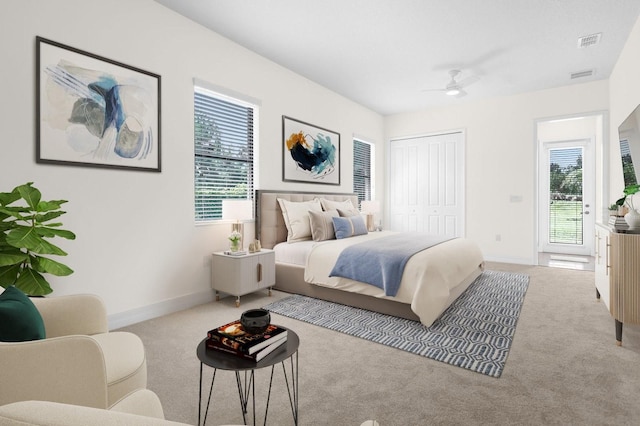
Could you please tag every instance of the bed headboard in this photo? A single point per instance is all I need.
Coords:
(270, 227)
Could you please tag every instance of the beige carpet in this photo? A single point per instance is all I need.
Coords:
(563, 368)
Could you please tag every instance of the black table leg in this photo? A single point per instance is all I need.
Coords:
(618, 333)
(597, 294)
(293, 389)
(206, 412)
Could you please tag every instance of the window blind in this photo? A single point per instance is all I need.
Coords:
(224, 140)
(362, 169)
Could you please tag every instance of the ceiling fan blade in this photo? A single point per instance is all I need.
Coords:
(468, 81)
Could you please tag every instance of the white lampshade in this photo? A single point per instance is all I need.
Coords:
(370, 206)
(236, 210)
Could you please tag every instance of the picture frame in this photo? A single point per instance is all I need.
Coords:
(310, 153)
(95, 112)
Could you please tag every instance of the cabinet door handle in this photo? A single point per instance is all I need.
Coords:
(259, 272)
(606, 259)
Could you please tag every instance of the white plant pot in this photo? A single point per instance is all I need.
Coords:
(633, 219)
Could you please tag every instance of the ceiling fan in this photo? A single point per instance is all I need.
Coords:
(456, 88)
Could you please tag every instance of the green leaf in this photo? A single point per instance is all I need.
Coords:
(42, 264)
(27, 237)
(7, 198)
(46, 206)
(7, 259)
(42, 218)
(631, 189)
(30, 194)
(32, 283)
(8, 275)
(52, 232)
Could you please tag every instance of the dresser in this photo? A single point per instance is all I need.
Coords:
(617, 274)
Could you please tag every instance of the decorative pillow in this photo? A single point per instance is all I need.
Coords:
(345, 205)
(348, 213)
(351, 226)
(19, 318)
(296, 217)
(322, 225)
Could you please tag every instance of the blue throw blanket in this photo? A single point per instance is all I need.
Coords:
(381, 262)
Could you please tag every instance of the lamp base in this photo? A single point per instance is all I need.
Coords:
(370, 225)
(239, 227)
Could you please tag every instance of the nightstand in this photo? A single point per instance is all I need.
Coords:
(240, 275)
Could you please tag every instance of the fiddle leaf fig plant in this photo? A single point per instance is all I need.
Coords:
(26, 224)
(628, 192)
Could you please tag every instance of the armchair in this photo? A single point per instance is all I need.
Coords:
(79, 362)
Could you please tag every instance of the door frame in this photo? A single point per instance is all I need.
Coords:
(601, 153)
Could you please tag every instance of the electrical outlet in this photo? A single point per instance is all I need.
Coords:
(498, 237)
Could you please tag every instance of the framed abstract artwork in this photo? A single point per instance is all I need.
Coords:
(93, 111)
(311, 154)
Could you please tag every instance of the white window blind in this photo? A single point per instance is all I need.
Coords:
(362, 169)
(224, 140)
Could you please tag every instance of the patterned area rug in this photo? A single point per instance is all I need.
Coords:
(475, 332)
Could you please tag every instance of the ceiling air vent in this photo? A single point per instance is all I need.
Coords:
(589, 40)
(581, 74)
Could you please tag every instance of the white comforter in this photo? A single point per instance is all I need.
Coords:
(427, 282)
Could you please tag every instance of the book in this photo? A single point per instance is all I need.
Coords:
(241, 340)
(221, 346)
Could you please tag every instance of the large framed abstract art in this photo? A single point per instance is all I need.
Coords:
(93, 111)
(311, 154)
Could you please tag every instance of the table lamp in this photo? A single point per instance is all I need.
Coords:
(370, 208)
(237, 210)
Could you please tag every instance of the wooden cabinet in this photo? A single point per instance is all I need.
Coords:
(617, 275)
(240, 275)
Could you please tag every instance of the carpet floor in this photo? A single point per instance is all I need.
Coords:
(475, 332)
(564, 368)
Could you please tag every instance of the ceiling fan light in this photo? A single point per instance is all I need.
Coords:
(453, 92)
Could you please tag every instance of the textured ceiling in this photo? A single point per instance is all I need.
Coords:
(384, 53)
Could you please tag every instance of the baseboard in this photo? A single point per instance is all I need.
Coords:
(123, 319)
(514, 260)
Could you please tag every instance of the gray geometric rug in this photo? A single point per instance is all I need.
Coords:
(475, 332)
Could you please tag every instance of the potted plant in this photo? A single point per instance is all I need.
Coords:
(613, 210)
(25, 226)
(633, 216)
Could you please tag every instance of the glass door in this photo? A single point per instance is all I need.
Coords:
(566, 198)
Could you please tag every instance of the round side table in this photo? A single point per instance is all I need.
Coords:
(223, 361)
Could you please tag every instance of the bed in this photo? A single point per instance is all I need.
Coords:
(432, 278)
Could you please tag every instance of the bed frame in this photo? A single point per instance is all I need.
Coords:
(271, 229)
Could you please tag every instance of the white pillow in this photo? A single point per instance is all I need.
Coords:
(296, 217)
(345, 205)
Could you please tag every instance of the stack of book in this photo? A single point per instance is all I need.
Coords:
(233, 339)
(618, 222)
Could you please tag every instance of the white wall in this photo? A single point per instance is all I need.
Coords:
(137, 245)
(501, 159)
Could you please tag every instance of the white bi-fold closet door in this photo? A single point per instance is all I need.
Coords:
(426, 184)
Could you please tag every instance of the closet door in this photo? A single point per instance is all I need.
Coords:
(426, 184)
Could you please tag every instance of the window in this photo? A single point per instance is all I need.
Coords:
(224, 143)
(362, 154)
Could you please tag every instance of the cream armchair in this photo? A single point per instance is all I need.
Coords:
(80, 362)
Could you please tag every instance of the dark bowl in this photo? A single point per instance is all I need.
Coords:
(255, 321)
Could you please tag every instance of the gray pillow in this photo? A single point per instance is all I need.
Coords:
(322, 225)
(348, 213)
